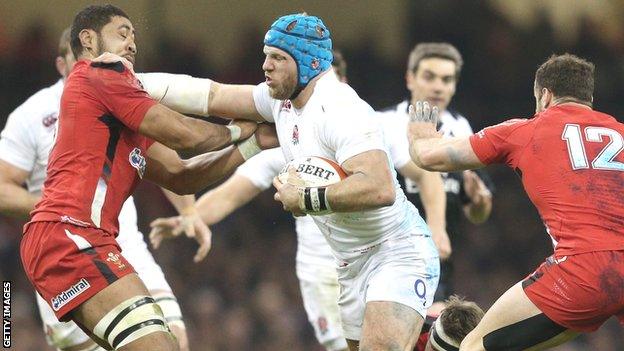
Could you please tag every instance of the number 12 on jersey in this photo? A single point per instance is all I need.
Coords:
(604, 160)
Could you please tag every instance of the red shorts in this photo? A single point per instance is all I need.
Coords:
(579, 292)
(68, 264)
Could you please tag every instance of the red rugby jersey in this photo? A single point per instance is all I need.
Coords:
(98, 156)
(571, 163)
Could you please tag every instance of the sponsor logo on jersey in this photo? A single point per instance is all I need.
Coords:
(286, 105)
(114, 259)
(295, 135)
(137, 161)
(66, 296)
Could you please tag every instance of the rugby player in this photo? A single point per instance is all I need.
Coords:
(110, 135)
(433, 70)
(569, 159)
(24, 147)
(388, 264)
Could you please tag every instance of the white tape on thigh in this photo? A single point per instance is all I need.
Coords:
(131, 320)
(171, 310)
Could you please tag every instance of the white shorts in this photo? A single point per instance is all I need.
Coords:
(134, 249)
(320, 299)
(404, 270)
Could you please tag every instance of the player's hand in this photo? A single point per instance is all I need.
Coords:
(289, 195)
(475, 188)
(247, 127)
(191, 224)
(442, 242)
(108, 57)
(423, 121)
(266, 136)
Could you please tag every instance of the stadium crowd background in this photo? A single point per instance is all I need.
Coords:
(245, 295)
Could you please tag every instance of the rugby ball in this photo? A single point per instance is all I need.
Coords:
(313, 171)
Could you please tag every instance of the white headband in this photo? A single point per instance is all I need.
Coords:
(439, 340)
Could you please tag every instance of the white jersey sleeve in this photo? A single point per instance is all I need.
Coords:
(18, 144)
(264, 102)
(395, 135)
(262, 168)
(350, 131)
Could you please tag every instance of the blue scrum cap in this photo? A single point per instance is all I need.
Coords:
(307, 40)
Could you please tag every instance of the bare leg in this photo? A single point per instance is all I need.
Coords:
(390, 326)
(93, 310)
(512, 307)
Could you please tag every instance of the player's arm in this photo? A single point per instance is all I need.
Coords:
(191, 136)
(15, 200)
(167, 169)
(368, 185)
(430, 151)
(221, 201)
(433, 198)
(189, 176)
(211, 208)
(200, 96)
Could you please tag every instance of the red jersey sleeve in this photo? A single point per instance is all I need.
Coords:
(502, 143)
(121, 93)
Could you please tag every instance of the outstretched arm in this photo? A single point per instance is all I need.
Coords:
(201, 96)
(188, 135)
(167, 169)
(430, 151)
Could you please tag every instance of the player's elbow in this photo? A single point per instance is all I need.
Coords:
(385, 195)
(388, 198)
(426, 159)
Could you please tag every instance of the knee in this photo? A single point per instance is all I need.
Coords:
(472, 342)
(383, 345)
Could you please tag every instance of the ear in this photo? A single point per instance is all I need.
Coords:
(547, 98)
(88, 40)
(61, 65)
(409, 79)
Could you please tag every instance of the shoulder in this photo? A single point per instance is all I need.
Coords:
(98, 72)
(510, 126)
(340, 101)
(39, 106)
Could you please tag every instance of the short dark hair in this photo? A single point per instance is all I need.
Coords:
(63, 47)
(92, 17)
(460, 317)
(340, 65)
(435, 50)
(567, 76)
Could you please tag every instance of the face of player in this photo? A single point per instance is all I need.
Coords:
(434, 81)
(280, 71)
(117, 37)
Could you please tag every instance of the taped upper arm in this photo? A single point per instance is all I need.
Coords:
(233, 101)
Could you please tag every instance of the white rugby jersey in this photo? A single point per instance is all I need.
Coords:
(395, 122)
(336, 124)
(312, 248)
(27, 139)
